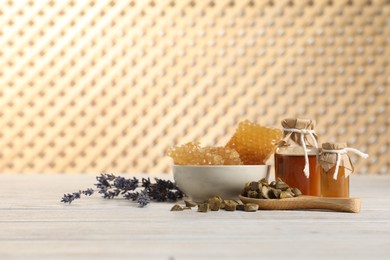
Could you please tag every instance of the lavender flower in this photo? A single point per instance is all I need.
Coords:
(143, 199)
(146, 183)
(125, 185)
(68, 198)
(88, 192)
(131, 196)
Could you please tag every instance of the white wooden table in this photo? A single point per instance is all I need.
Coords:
(35, 225)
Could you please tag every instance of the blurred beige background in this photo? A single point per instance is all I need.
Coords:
(92, 86)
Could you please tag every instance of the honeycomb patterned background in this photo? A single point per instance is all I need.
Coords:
(97, 85)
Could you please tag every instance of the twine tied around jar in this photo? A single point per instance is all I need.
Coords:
(339, 155)
(302, 133)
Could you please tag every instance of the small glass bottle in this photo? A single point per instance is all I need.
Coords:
(335, 168)
(296, 156)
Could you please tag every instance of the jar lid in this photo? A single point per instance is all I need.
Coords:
(334, 146)
(298, 123)
(330, 159)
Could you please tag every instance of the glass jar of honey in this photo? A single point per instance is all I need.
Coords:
(296, 156)
(335, 168)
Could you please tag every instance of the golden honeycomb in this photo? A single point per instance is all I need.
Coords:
(193, 154)
(254, 143)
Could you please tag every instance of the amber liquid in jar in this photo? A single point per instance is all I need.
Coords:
(334, 188)
(290, 169)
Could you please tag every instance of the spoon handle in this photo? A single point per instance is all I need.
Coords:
(307, 202)
(337, 204)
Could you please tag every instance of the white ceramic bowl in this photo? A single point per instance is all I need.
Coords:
(203, 182)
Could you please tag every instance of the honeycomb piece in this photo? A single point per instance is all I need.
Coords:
(254, 143)
(193, 154)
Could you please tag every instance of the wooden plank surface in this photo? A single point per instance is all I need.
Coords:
(35, 225)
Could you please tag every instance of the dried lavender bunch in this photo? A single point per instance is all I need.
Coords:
(111, 186)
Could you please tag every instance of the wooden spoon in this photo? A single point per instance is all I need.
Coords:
(307, 202)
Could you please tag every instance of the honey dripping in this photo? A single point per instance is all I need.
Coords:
(290, 169)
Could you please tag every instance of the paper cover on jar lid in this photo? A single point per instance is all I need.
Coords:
(335, 155)
(300, 124)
